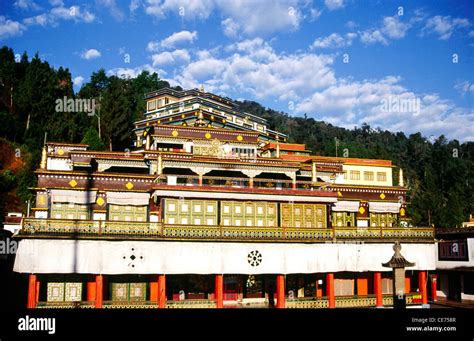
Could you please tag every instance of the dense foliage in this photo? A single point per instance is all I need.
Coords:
(439, 172)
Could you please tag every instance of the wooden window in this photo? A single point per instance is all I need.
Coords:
(248, 209)
(355, 175)
(129, 291)
(387, 287)
(70, 211)
(381, 176)
(58, 291)
(127, 213)
(343, 219)
(369, 176)
(151, 105)
(343, 287)
(307, 215)
(382, 219)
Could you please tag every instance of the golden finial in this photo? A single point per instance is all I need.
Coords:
(43, 158)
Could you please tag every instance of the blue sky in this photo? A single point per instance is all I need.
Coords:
(399, 65)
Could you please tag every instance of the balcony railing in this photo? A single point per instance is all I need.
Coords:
(234, 182)
(192, 303)
(350, 301)
(66, 305)
(96, 228)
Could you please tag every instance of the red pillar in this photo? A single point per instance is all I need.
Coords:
(161, 291)
(330, 290)
(378, 289)
(31, 304)
(434, 282)
(91, 289)
(422, 286)
(219, 291)
(37, 290)
(99, 287)
(280, 288)
(293, 185)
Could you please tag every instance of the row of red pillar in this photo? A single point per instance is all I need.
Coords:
(377, 288)
(158, 290)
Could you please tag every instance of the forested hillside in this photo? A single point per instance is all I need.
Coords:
(439, 172)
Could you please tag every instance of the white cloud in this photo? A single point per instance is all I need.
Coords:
(257, 49)
(77, 81)
(471, 34)
(10, 28)
(134, 72)
(351, 24)
(394, 28)
(26, 5)
(372, 36)
(334, 40)
(90, 54)
(390, 28)
(166, 57)
(262, 17)
(153, 46)
(179, 38)
(187, 9)
(334, 4)
(252, 69)
(114, 10)
(134, 4)
(230, 27)
(444, 26)
(41, 20)
(74, 13)
(464, 87)
(248, 17)
(348, 103)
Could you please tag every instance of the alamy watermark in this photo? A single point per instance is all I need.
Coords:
(8, 247)
(76, 105)
(28, 323)
(399, 105)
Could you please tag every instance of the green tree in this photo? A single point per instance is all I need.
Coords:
(115, 109)
(93, 140)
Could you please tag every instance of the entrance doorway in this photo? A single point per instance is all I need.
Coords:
(454, 286)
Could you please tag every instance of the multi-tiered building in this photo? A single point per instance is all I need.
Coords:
(211, 208)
